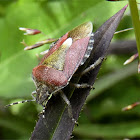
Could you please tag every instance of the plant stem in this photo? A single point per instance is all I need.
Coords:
(136, 22)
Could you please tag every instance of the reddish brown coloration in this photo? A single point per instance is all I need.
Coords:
(60, 63)
(49, 76)
(34, 31)
(75, 55)
(29, 31)
(129, 107)
(55, 47)
(73, 59)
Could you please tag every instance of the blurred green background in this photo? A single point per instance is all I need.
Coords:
(116, 87)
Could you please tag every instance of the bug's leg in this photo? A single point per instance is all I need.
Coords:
(64, 97)
(43, 112)
(93, 66)
(33, 95)
(25, 101)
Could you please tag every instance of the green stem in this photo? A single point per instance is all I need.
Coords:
(136, 22)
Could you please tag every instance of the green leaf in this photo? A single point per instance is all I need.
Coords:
(114, 131)
(112, 79)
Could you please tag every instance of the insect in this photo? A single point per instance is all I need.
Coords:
(58, 65)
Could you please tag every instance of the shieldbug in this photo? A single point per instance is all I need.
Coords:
(59, 64)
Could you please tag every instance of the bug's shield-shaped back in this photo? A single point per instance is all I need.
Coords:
(60, 63)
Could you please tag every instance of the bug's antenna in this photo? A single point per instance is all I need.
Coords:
(25, 101)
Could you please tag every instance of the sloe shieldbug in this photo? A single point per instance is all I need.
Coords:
(60, 63)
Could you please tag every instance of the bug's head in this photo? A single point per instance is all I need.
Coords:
(42, 93)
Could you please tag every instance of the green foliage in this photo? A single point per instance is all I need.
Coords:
(117, 86)
(136, 23)
(109, 131)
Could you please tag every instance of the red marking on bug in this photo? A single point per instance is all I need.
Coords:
(55, 47)
(49, 76)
